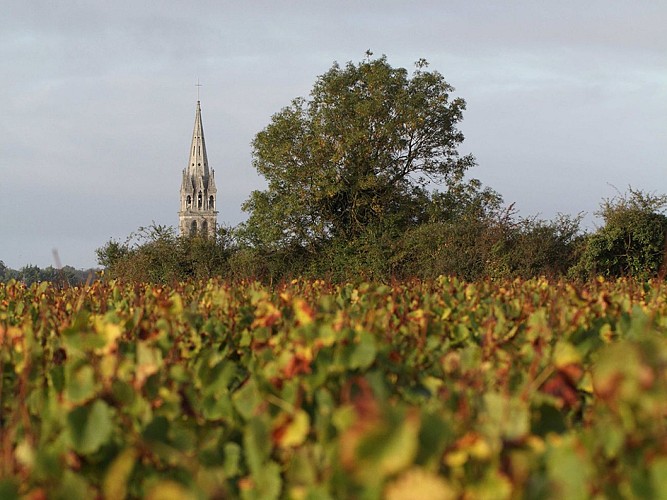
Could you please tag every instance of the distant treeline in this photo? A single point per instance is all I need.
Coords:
(476, 241)
(66, 275)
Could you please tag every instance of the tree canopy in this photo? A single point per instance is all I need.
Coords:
(359, 153)
(633, 239)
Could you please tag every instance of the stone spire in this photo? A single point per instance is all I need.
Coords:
(198, 164)
(198, 192)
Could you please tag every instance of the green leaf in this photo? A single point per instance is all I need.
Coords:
(569, 469)
(658, 470)
(247, 399)
(546, 419)
(256, 444)
(80, 381)
(267, 483)
(506, 417)
(217, 407)
(157, 430)
(90, 426)
(9, 489)
(390, 448)
(232, 459)
(364, 352)
(72, 486)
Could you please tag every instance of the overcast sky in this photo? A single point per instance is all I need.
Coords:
(566, 101)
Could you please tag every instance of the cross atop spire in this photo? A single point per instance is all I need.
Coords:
(198, 85)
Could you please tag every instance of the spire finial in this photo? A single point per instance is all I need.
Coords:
(198, 85)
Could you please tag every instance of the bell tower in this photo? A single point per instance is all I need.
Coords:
(198, 215)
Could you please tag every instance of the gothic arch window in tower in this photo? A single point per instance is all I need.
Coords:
(199, 201)
(211, 203)
(188, 202)
(204, 228)
(193, 228)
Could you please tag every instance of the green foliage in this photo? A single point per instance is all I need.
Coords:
(4, 272)
(435, 389)
(111, 253)
(351, 173)
(357, 155)
(464, 232)
(154, 254)
(534, 247)
(632, 241)
(474, 245)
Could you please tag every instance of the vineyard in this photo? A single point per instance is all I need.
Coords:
(440, 389)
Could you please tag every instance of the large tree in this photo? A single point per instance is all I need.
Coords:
(360, 153)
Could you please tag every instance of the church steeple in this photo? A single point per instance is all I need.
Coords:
(198, 159)
(198, 191)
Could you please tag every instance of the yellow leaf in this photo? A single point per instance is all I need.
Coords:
(303, 312)
(456, 458)
(110, 332)
(418, 483)
(25, 454)
(176, 305)
(296, 431)
(169, 490)
(115, 480)
(565, 354)
(480, 449)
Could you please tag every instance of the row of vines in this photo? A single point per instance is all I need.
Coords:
(439, 389)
